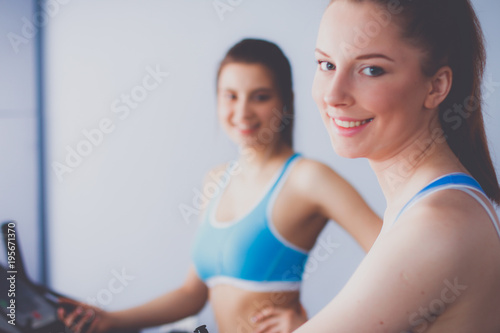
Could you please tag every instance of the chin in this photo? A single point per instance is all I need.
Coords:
(346, 151)
(246, 142)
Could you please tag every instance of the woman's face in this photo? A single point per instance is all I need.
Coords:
(369, 85)
(249, 106)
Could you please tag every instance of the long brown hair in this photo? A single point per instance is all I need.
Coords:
(258, 51)
(450, 33)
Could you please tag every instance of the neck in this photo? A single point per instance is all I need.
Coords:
(426, 157)
(256, 158)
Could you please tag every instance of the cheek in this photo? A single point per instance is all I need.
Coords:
(387, 99)
(269, 110)
(223, 115)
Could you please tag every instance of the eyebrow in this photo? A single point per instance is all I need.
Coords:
(323, 53)
(362, 57)
(264, 89)
(374, 55)
(257, 90)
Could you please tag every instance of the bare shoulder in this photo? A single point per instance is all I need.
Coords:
(430, 242)
(451, 209)
(453, 223)
(435, 247)
(307, 165)
(320, 182)
(312, 173)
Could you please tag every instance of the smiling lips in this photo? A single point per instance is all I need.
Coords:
(247, 129)
(348, 127)
(351, 124)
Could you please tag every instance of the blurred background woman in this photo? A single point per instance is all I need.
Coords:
(265, 216)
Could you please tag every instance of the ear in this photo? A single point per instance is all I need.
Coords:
(440, 87)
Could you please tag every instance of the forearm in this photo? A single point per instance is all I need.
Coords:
(167, 308)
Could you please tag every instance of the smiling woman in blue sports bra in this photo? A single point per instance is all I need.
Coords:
(408, 98)
(255, 235)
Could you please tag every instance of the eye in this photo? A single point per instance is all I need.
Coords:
(373, 71)
(262, 97)
(229, 96)
(326, 66)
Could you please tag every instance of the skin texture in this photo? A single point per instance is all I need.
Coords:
(436, 269)
(250, 111)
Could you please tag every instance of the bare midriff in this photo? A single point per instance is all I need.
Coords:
(234, 307)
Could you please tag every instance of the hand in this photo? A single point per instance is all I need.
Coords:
(279, 320)
(80, 317)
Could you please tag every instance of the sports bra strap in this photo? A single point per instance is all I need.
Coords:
(283, 171)
(488, 210)
(212, 205)
(459, 181)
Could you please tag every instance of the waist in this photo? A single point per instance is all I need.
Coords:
(234, 307)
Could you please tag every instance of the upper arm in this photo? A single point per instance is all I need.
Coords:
(409, 273)
(195, 287)
(337, 200)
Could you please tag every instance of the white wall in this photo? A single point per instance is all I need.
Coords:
(488, 11)
(19, 178)
(118, 208)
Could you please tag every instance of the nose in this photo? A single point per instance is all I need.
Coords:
(242, 110)
(338, 91)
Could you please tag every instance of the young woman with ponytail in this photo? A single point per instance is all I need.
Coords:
(399, 82)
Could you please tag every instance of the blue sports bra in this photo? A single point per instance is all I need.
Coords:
(459, 181)
(249, 253)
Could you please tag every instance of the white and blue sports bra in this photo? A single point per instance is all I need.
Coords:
(249, 253)
(458, 181)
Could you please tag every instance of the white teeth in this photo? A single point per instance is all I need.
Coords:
(243, 127)
(351, 124)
